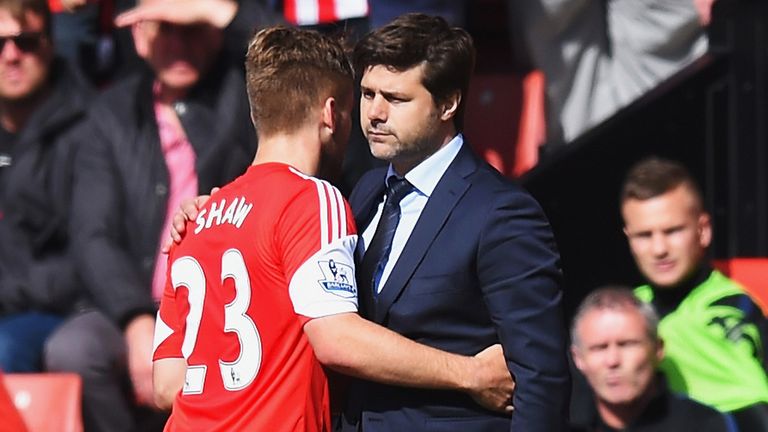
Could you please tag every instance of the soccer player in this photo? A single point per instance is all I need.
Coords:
(261, 292)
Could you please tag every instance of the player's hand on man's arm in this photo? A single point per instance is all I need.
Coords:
(139, 335)
(354, 346)
(186, 212)
(494, 385)
(218, 13)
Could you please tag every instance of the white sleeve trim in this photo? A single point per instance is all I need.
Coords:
(325, 284)
(333, 211)
(162, 332)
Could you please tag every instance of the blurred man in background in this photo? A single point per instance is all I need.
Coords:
(714, 333)
(41, 101)
(175, 128)
(615, 344)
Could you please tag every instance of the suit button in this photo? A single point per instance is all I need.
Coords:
(161, 189)
(148, 262)
(180, 108)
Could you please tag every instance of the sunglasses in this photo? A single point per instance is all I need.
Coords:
(26, 41)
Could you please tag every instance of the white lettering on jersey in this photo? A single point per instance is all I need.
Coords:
(239, 374)
(215, 213)
(236, 375)
(235, 214)
(230, 213)
(242, 211)
(200, 221)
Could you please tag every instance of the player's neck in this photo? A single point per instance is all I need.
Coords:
(300, 150)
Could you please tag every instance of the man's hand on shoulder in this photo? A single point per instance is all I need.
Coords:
(186, 212)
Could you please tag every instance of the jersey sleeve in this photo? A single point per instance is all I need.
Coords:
(318, 239)
(169, 329)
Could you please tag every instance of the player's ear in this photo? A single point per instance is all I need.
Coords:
(328, 116)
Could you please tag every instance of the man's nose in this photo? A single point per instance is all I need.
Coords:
(377, 110)
(659, 245)
(9, 50)
(613, 357)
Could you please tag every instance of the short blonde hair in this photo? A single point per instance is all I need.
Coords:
(289, 71)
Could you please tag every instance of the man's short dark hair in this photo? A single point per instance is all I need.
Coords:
(655, 176)
(448, 54)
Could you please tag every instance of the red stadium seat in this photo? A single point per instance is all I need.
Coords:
(533, 128)
(47, 401)
(505, 119)
(750, 272)
(10, 418)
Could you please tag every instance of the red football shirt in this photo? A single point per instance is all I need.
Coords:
(268, 252)
(312, 12)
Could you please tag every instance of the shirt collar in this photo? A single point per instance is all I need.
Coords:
(424, 176)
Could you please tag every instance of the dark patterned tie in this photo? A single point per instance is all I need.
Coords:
(377, 254)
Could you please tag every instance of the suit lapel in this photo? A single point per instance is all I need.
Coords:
(364, 203)
(370, 196)
(451, 187)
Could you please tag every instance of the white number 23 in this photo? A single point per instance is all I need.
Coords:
(238, 374)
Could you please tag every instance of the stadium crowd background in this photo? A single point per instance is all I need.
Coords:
(566, 96)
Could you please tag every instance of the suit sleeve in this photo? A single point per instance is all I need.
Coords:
(518, 269)
(108, 271)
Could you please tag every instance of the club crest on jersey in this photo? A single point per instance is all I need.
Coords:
(339, 278)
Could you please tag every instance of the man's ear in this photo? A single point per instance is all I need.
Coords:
(328, 116)
(450, 105)
(659, 350)
(705, 230)
(576, 358)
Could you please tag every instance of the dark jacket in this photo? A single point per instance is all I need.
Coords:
(666, 412)
(480, 267)
(36, 270)
(121, 184)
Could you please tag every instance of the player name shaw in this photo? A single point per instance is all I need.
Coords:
(234, 214)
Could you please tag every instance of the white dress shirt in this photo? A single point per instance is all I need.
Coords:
(424, 177)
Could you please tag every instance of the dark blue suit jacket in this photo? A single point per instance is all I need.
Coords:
(480, 267)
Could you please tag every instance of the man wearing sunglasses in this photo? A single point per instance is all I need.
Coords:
(41, 102)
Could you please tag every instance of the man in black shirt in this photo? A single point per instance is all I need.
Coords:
(616, 346)
(41, 102)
